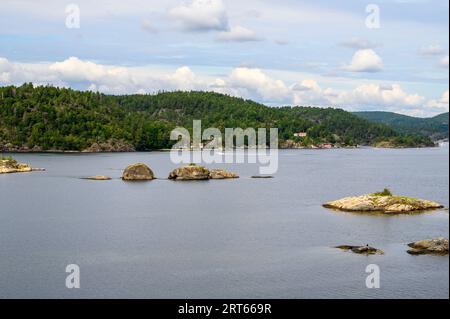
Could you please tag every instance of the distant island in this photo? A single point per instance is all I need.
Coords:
(47, 118)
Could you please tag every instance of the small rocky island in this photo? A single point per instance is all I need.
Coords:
(195, 172)
(362, 250)
(437, 246)
(138, 172)
(9, 165)
(384, 202)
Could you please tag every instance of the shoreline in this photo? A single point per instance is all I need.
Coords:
(191, 150)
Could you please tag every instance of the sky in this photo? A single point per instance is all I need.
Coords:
(385, 55)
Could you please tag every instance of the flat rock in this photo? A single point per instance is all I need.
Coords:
(383, 204)
(437, 246)
(362, 250)
(190, 173)
(262, 176)
(98, 178)
(138, 172)
(221, 174)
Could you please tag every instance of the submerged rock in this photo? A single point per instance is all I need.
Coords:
(190, 173)
(262, 176)
(362, 250)
(437, 246)
(382, 202)
(221, 174)
(98, 178)
(11, 166)
(138, 172)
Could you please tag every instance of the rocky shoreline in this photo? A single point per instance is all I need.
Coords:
(117, 146)
(109, 146)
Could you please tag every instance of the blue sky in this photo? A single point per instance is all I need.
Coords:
(282, 52)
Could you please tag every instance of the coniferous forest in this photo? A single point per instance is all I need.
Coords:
(48, 118)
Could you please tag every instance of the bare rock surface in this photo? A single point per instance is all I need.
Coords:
(98, 178)
(221, 174)
(437, 246)
(362, 250)
(383, 202)
(8, 166)
(138, 172)
(190, 172)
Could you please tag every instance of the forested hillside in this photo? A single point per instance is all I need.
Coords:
(49, 118)
(434, 127)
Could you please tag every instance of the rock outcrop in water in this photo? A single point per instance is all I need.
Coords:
(98, 178)
(138, 172)
(383, 202)
(438, 246)
(262, 177)
(195, 172)
(362, 250)
(221, 174)
(190, 172)
(11, 166)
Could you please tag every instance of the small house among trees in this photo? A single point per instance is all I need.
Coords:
(301, 134)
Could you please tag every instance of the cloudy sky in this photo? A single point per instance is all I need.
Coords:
(284, 52)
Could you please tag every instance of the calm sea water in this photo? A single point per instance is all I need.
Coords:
(245, 238)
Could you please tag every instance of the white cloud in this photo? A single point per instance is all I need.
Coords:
(440, 105)
(256, 84)
(238, 34)
(84, 75)
(183, 79)
(253, 83)
(365, 61)
(201, 15)
(243, 82)
(308, 92)
(18, 73)
(76, 70)
(364, 97)
(377, 96)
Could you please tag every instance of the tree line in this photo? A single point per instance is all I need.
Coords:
(54, 118)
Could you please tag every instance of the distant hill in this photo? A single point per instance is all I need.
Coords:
(434, 127)
(50, 118)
